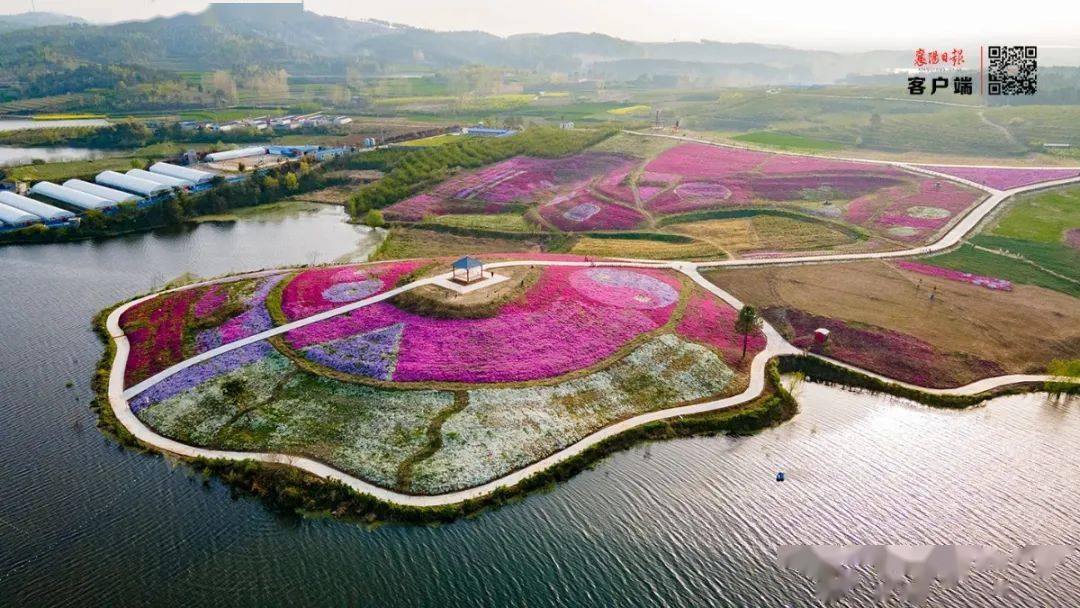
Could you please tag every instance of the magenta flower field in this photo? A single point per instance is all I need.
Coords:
(583, 211)
(521, 179)
(571, 319)
(912, 212)
(956, 275)
(708, 320)
(1006, 178)
(320, 289)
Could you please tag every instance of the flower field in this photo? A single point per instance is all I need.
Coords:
(623, 329)
(582, 211)
(521, 179)
(883, 351)
(571, 319)
(268, 405)
(504, 429)
(911, 213)
(320, 289)
(956, 275)
(711, 322)
(165, 330)
(1006, 178)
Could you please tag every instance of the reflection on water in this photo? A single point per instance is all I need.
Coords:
(692, 522)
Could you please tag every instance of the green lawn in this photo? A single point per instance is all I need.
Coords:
(1041, 217)
(66, 170)
(503, 221)
(437, 140)
(969, 259)
(788, 142)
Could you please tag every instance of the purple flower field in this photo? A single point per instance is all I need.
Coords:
(1006, 178)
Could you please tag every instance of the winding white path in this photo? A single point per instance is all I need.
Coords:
(775, 345)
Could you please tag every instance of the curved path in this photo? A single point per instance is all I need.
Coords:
(775, 345)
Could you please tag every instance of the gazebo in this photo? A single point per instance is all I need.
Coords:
(468, 269)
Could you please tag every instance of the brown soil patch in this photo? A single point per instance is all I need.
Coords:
(1021, 330)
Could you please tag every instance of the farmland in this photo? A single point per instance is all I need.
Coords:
(631, 183)
(562, 352)
(887, 322)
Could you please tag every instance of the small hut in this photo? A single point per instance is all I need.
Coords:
(467, 270)
(821, 335)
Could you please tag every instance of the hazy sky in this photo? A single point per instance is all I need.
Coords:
(823, 24)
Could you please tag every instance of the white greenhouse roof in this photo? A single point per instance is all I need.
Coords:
(82, 200)
(131, 184)
(166, 180)
(231, 154)
(16, 217)
(110, 194)
(38, 208)
(193, 175)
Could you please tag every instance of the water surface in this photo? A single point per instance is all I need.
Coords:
(12, 155)
(690, 522)
(15, 124)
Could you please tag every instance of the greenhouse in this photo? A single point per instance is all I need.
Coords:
(214, 157)
(10, 216)
(160, 178)
(137, 185)
(75, 198)
(191, 175)
(38, 208)
(111, 194)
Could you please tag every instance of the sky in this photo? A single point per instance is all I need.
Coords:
(821, 24)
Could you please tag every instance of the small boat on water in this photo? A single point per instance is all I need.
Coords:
(780, 476)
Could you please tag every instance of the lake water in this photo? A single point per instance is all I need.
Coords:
(691, 522)
(11, 155)
(16, 124)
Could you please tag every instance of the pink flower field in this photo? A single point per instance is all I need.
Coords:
(571, 319)
(320, 289)
(911, 213)
(956, 275)
(709, 321)
(582, 211)
(521, 179)
(1006, 178)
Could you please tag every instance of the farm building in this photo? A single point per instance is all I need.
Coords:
(821, 335)
(38, 208)
(75, 198)
(144, 187)
(214, 157)
(192, 175)
(16, 218)
(109, 194)
(165, 180)
(488, 132)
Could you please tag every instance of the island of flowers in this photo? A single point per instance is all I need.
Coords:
(577, 349)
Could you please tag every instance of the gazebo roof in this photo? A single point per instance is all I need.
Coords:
(466, 263)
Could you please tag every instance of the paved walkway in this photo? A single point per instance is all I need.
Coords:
(775, 345)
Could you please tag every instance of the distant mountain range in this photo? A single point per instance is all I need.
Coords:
(10, 23)
(226, 36)
(36, 47)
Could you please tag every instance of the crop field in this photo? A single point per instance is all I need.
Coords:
(645, 248)
(764, 233)
(786, 141)
(510, 222)
(564, 353)
(891, 324)
(422, 243)
(1015, 267)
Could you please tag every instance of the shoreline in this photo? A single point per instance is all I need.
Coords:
(315, 483)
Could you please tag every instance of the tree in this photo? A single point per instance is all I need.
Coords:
(291, 183)
(747, 321)
(374, 218)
